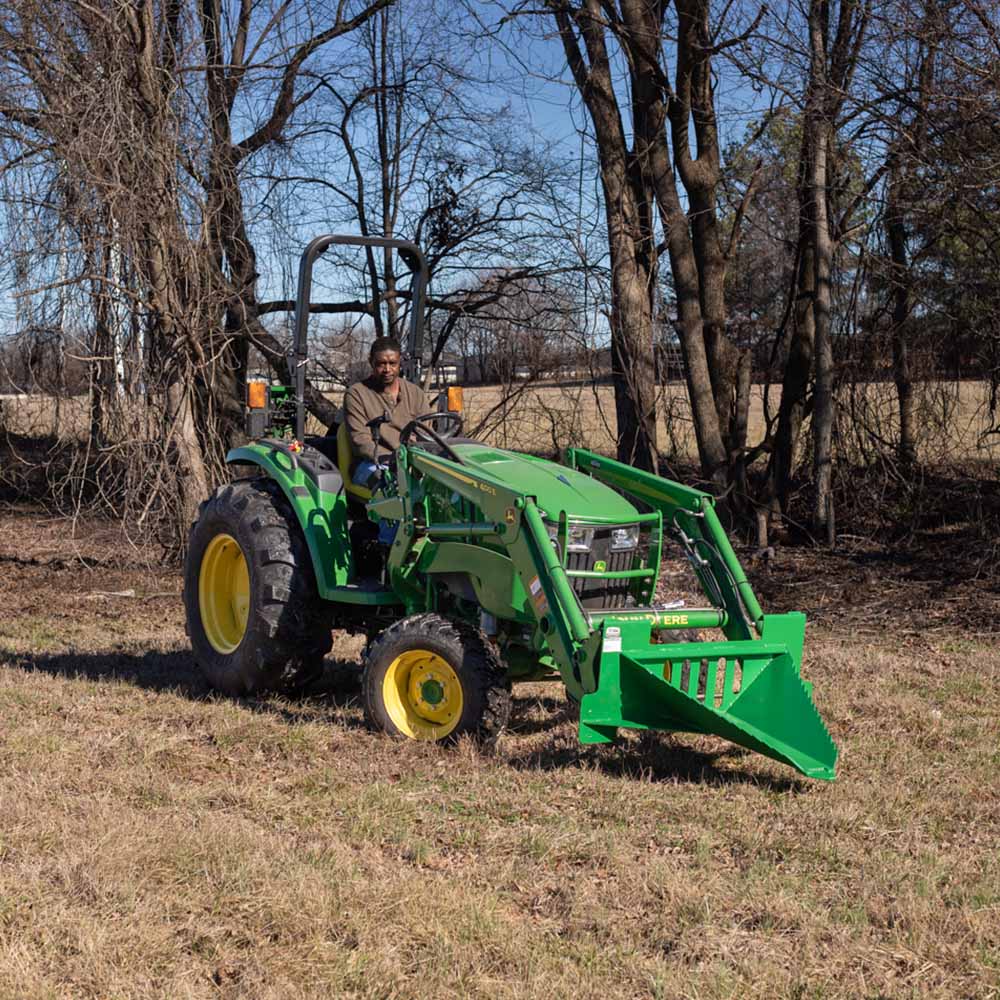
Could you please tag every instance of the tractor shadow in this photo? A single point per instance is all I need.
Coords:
(175, 672)
(650, 757)
(657, 759)
(536, 714)
(654, 757)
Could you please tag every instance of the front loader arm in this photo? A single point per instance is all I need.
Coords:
(689, 516)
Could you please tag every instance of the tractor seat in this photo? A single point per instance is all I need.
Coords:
(336, 446)
(345, 461)
(326, 445)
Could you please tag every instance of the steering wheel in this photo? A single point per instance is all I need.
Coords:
(419, 427)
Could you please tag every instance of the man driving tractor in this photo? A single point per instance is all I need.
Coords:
(505, 567)
(385, 393)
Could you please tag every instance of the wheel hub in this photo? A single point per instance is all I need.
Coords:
(423, 695)
(224, 593)
(432, 692)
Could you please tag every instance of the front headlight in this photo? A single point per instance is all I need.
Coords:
(579, 537)
(624, 538)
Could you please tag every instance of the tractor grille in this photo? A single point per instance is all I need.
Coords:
(596, 594)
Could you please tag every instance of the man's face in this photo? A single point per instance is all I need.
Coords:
(385, 367)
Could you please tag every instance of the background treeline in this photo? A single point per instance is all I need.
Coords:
(779, 206)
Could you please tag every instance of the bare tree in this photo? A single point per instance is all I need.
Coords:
(529, 329)
(833, 41)
(434, 156)
(128, 113)
(661, 56)
(905, 154)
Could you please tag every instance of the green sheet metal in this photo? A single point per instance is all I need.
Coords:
(322, 515)
(556, 487)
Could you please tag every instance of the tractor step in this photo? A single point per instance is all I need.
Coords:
(747, 691)
(353, 593)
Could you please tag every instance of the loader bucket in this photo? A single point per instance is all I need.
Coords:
(747, 691)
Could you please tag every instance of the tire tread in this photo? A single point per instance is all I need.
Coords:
(485, 674)
(288, 631)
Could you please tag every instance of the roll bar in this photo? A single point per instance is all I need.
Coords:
(412, 257)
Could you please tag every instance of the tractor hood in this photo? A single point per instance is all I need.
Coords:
(555, 487)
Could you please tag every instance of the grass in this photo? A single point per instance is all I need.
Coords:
(159, 841)
(954, 418)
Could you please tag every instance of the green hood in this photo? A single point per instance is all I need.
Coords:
(555, 487)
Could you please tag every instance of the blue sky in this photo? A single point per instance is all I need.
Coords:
(529, 75)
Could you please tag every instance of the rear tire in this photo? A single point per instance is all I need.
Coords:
(435, 679)
(254, 617)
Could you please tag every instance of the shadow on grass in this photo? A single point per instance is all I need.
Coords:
(656, 759)
(651, 758)
(337, 687)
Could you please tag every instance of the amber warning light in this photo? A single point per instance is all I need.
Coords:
(256, 394)
(455, 398)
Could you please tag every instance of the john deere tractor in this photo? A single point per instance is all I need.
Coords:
(502, 567)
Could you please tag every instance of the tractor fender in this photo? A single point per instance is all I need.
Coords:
(318, 502)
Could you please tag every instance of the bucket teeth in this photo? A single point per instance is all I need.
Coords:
(777, 709)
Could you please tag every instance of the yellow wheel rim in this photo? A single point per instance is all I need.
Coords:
(224, 593)
(423, 695)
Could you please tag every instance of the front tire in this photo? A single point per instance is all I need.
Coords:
(254, 617)
(431, 678)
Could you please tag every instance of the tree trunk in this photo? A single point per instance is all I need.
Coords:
(819, 138)
(632, 361)
(809, 343)
(798, 371)
(724, 357)
(192, 476)
(631, 242)
(911, 138)
(901, 281)
(741, 422)
(697, 264)
(708, 433)
(101, 370)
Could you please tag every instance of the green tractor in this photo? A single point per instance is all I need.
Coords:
(503, 567)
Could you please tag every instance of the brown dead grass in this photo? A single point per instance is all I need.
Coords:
(159, 841)
(954, 418)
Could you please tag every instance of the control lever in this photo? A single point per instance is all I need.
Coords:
(374, 424)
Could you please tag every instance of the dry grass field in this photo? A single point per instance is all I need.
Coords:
(543, 419)
(954, 418)
(159, 841)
